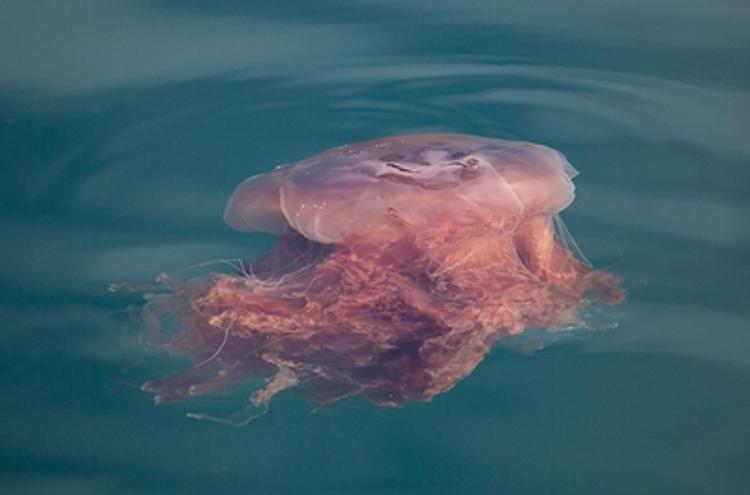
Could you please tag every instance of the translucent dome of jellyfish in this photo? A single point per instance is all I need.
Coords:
(399, 262)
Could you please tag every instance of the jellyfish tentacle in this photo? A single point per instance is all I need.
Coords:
(241, 418)
(258, 402)
(218, 349)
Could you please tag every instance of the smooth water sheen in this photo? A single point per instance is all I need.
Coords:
(126, 125)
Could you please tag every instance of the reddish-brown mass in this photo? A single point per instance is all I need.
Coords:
(400, 262)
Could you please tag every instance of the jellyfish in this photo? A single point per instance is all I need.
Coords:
(399, 262)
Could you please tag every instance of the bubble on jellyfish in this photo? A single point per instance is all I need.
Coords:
(399, 263)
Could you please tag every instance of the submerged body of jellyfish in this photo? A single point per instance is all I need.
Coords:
(400, 261)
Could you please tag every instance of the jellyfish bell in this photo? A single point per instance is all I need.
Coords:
(400, 261)
(357, 188)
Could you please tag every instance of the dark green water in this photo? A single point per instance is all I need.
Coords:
(125, 125)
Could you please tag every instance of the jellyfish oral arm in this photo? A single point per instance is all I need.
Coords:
(543, 252)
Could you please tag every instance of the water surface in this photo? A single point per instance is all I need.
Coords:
(125, 125)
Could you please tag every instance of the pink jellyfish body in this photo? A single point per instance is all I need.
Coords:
(400, 261)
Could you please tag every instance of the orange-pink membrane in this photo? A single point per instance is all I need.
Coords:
(400, 262)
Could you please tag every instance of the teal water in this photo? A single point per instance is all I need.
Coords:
(125, 125)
